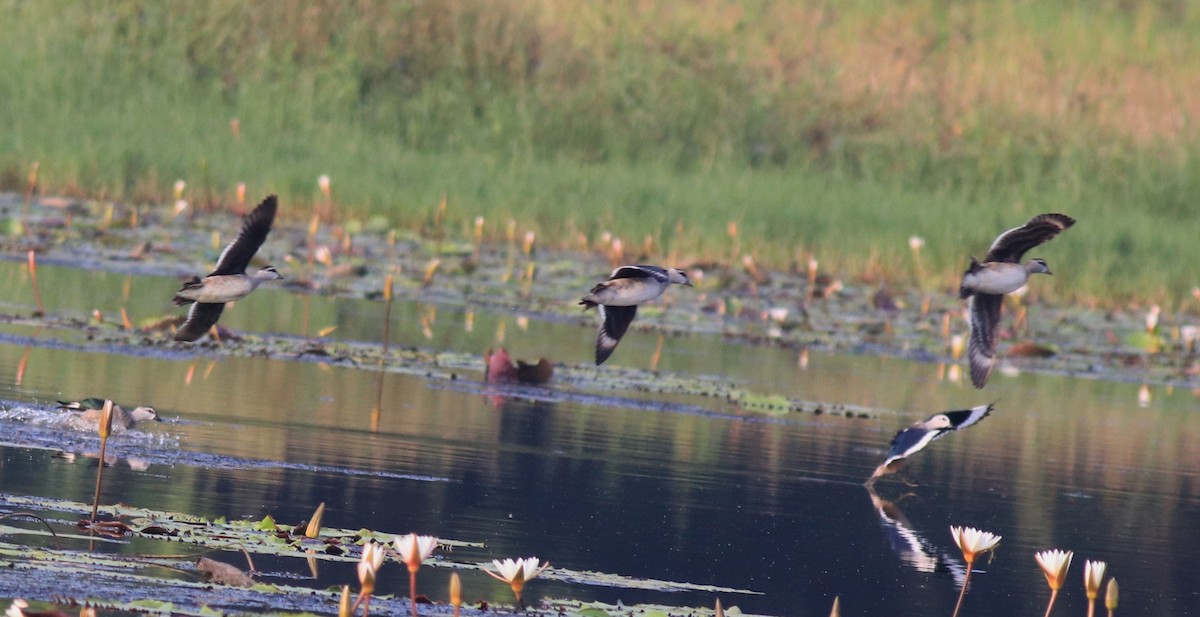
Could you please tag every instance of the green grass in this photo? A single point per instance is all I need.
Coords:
(834, 129)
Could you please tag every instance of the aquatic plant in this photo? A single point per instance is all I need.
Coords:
(1111, 597)
(37, 294)
(1054, 563)
(344, 602)
(413, 550)
(516, 573)
(368, 566)
(105, 429)
(455, 592)
(314, 524)
(972, 542)
(1093, 577)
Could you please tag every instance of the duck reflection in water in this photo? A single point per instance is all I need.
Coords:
(913, 549)
(110, 459)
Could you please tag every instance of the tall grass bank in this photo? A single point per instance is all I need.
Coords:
(827, 129)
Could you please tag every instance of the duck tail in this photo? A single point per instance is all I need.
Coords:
(191, 283)
(965, 292)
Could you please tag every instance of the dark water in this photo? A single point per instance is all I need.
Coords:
(698, 493)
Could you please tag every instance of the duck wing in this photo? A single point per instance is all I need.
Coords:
(910, 441)
(616, 322)
(640, 272)
(255, 227)
(83, 405)
(201, 317)
(963, 418)
(981, 349)
(1012, 244)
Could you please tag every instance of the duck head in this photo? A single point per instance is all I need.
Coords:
(677, 276)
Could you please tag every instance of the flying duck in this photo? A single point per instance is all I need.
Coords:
(229, 281)
(1002, 272)
(90, 409)
(914, 438)
(618, 298)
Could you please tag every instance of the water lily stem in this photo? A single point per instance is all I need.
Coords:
(966, 580)
(1050, 605)
(99, 478)
(412, 589)
(37, 294)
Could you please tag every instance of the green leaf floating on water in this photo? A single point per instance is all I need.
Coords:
(189, 536)
(267, 524)
(152, 606)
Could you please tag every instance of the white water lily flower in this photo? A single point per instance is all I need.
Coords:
(414, 549)
(972, 541)
(1055, 564)
(368, 565)
(516, 571)
(1093, 576)
(17, 609)
(372, 554)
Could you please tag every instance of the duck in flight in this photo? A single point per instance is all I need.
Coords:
(618, 298)
(229, 281)
(914, 438)
(1002, 272)
(89, 410)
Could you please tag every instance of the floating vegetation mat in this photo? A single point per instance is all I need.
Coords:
(572, 382)
(64, 560)
(746, 306)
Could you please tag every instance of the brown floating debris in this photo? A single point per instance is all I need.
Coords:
(1030, 350)
(499, 368)
(222, 573)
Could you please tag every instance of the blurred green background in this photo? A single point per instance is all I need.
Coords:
(833, 130)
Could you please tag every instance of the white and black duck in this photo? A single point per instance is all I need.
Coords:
(618, 298)
(229, 281)
(913, 439)
(87, 413)
(1001, 272)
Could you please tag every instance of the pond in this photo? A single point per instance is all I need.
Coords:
(669, 486)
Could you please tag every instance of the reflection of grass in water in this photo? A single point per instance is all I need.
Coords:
(812, 129)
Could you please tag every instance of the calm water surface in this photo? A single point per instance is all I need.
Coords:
(773, 505)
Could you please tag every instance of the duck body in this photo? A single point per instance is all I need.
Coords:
(618, 298)
(1001, 272)
(222, 288)
(633, 285)
(228, 281)
(89, 411)
(998, 277)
